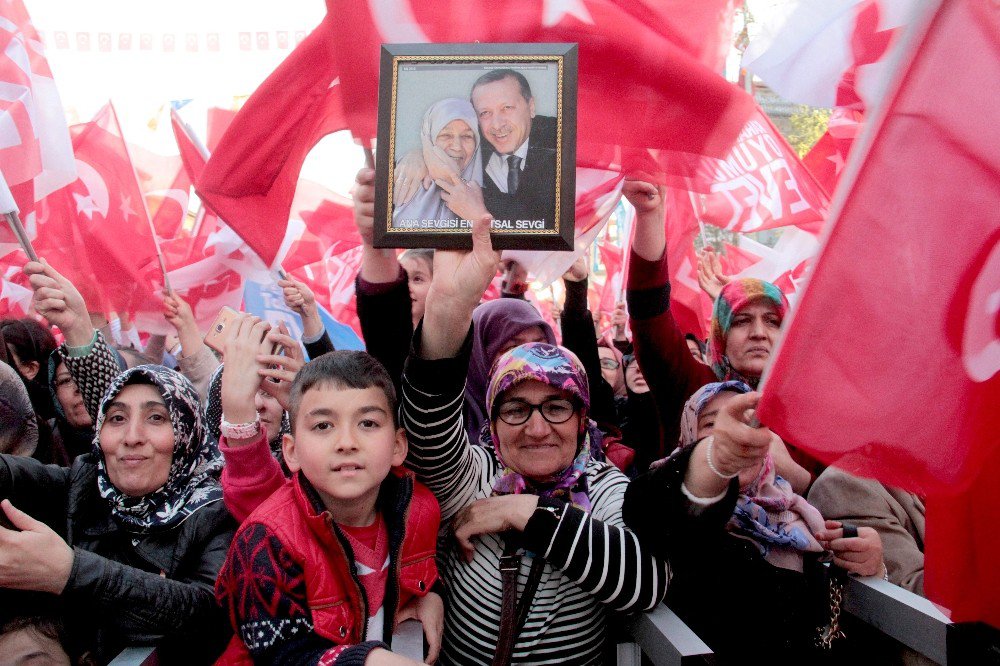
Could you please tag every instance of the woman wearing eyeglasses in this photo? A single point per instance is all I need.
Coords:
(540, 549)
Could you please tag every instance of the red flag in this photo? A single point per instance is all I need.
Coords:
(36, 156)
(219, 121)
(250, 179)
(613, 259)
(96, 230)
(760, 184)
(737, 259)
(685, 292)
(193, 153)
(327, 221)
(648, 59)
(890, 364)
(827, 158)
(332, 282)
(166, 187)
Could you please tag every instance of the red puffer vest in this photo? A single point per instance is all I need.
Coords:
(334, 596)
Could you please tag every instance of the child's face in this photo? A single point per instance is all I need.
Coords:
(345, 443)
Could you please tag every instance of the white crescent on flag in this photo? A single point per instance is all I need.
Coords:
(980, 345)
(97, 198)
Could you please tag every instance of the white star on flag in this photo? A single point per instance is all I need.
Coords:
(555, 10)
(126, 207)
(85, 205)
(838, 162)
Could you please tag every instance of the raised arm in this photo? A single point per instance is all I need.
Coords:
(300, 298)
(90, 360)
(434, 378)
(196, 360)
(671, 372)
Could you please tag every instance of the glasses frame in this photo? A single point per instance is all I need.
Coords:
(536, 406)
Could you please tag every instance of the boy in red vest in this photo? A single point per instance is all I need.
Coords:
(321, 570)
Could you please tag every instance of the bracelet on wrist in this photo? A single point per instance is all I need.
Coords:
(711, 465)
(240, 430)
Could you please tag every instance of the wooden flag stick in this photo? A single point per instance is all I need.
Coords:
(9, 209)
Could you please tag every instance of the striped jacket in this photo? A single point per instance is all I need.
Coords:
(594, 564)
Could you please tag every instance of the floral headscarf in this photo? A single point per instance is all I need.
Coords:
(768, 512)
(193, 480)
(734, 297)
(560, 368)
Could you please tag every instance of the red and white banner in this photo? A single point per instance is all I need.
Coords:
(890, 366)
(828, 53)
(83, 228)
(760, 184)
(36, 156)
(250, 178)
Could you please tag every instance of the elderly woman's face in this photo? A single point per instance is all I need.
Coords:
(458, 140)
(751, 337)
(537, 449)
(137, 439)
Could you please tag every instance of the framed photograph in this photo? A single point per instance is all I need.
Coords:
(469, 129)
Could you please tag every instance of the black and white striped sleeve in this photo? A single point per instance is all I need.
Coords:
(439, 450)
(596, 551)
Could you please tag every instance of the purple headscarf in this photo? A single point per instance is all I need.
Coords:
(494, 323)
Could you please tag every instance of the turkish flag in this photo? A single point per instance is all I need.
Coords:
(327, 225)
(612, 257)
(96, 231)
(36, 156)
(828, 156)
(250, 179)
(647, 71)
(219, 121)
(193, 153)
(890, 366)
(166, 187)
(685, 293)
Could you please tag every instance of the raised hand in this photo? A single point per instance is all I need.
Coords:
(241, 372)
(59, 301)
(650, 239)
(300, 298)
(277, 370)
(460, 278)
(619, 320)
(710, 275)
(579, 271)
(177, 311)
(363, 195)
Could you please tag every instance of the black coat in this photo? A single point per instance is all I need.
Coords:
(535, 198)
(125, 588)
(743, 607)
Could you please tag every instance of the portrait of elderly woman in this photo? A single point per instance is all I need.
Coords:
(449, 139)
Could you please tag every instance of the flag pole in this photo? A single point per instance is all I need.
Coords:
(142, 198)
(9, 209)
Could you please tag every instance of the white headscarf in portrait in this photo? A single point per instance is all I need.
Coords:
(427, 204)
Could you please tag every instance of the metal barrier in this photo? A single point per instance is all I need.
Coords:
(664, 639)
(900, 614)
(136, 656)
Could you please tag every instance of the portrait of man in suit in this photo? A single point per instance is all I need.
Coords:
(518, 148)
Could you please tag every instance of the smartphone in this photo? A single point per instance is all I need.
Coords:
(216, 336)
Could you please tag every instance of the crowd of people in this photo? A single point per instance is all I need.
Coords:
(285, 502)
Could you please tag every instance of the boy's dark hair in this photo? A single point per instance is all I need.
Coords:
(495, 75)
(343, 369)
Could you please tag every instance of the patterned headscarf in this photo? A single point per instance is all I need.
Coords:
(193, 480)
(560, 368)
(768, 512)
(734, 297)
